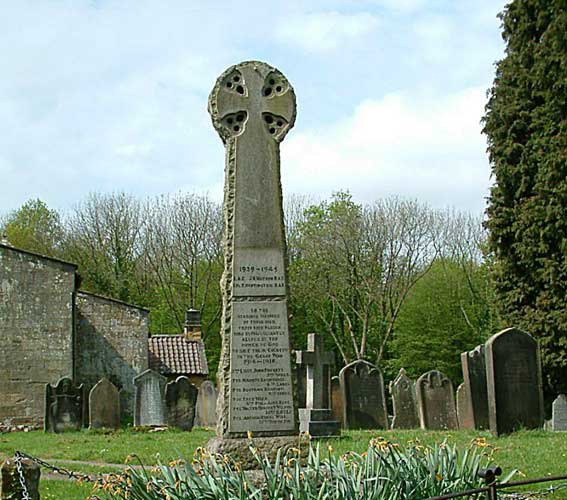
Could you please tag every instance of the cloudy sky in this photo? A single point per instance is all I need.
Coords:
(111, 95)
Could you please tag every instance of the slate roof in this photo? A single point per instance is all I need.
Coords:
(177, 355)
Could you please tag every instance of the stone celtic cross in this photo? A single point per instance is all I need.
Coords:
(318, 362)
(252, 106)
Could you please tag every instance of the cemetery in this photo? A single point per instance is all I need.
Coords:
(101, 398)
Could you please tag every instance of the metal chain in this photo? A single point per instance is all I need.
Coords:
(58, 470)
(21, 477)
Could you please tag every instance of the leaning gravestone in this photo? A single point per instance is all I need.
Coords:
(559, 413)
(180, 400)
(337, 400)
(436, 401)
(402, 390)
(513, 375)
(465, 415)
(252, 106)
(476, 392)
(149, 407)
(64, 406)
(364, 400)
(206, 407)
(316, 418)
(104, 406)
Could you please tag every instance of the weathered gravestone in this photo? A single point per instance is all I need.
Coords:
(64, 406)
(149, 407)
(474, 376)
(559, 413)
(364, 400)
(252, 106)
(465, 415)
(337, 400)
(317, 417)
(104, 406)
(10, 486)
(180, 401)
(402, 390)
(436, 401)
(300, 384)
(513, 375)
(206, 407)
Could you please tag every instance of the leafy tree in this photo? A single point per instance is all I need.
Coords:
(34, 227)
(526, 126)
(442, 317)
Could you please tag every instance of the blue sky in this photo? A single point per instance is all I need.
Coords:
(108, 95)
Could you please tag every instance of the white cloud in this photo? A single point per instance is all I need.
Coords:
(325, 31)
(424, 147)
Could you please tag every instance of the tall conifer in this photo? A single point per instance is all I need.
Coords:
(526, 126)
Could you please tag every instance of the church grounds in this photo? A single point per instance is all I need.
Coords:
(533, 453)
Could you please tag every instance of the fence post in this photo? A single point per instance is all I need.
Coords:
(489, 475)
(10, 486)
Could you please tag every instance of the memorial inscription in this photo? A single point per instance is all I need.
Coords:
(261, 388)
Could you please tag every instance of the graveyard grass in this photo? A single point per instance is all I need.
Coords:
(533, 453)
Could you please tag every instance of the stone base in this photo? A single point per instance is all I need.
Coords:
(238, 449)
(318, 423)
(10, 483)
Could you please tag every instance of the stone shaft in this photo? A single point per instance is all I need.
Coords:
(252, 107)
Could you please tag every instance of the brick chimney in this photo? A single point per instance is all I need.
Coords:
(192, 327)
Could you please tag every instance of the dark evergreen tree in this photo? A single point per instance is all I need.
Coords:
(526, 126)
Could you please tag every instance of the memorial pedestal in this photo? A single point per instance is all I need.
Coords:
(318, 422)
(240, 449)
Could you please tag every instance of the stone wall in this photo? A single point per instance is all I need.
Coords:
(36, 331)
(112, 342)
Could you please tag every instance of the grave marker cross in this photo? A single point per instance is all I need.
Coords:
(316, 359)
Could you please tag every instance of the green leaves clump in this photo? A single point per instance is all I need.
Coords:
(386, 471)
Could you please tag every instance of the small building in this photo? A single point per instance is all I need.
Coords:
(184, 354)
(50, 329)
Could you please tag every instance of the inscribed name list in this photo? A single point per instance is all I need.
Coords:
(261, 389)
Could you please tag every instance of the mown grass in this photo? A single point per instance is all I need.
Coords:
(534, 453)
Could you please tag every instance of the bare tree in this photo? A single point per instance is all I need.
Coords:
(184, 254)
(357, 265)
(104, 237)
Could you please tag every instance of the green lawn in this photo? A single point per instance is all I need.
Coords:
(533, 453)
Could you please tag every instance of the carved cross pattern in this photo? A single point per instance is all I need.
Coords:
(317, 360)
(252, 98)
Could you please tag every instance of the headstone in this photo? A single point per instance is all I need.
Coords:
(513, 375)
(104, 406)
(10, 486)
(474, 376)
(465, 415)
(316, 418)
(436, 401)
(64, 406)
(364, 400)
(252, 106)
(180, 401)
(149, 407)
(559, 413)
(402, 390)
(300, 384)
(337, 400)
(206, 408)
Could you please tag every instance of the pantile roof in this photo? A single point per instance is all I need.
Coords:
(177, 355)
